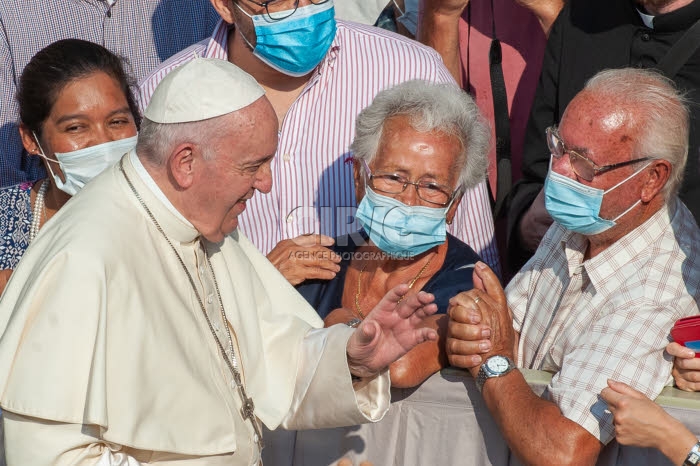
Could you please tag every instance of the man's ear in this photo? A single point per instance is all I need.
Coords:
(225, 9)
(30, 144)
(659, 173)
(182, 163)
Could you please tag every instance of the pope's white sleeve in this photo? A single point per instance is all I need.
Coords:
(46, 443)
(324, 395)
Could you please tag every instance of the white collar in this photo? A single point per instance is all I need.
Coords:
(155, 189)
(648, 20)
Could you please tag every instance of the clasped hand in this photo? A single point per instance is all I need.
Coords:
(390, 330)
(480, 324)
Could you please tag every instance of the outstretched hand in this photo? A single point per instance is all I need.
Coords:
(390, 330)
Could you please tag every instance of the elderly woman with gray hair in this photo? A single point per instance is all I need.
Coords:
(417, 148)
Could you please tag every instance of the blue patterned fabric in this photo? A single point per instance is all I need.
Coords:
(15, 221)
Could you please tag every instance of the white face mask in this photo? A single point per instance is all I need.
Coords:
(81, 166)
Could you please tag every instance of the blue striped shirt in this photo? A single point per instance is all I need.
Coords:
(145, 32)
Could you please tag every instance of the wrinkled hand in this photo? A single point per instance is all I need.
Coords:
(390, 330)
(534, 223)
(686, 367)
(481, 324)
(305, 257)
(638, 420)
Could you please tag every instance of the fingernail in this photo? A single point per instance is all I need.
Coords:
(480, 265)
(486, 333)
(484, 346)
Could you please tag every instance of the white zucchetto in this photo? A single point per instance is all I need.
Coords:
(200, 89)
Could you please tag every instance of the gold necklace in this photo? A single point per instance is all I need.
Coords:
(410, 285)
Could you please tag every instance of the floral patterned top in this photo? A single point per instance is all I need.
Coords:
(15, 221)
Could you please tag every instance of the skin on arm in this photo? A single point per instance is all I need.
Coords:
(509, 398)
(4, 278)
(439, 28)
(546, 11)
(686, 367)
(641, 422)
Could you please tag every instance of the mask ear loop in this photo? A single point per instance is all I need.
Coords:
(623, 181)
(43, 155)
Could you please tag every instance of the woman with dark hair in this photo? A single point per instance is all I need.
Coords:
(78, 113)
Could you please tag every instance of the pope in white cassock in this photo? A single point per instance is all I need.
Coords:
(142, 328)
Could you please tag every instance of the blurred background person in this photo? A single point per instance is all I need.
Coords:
(78, 116)
(145, 32)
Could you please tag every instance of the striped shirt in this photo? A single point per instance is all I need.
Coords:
(145, 32)
(313, 186)
(608, 317)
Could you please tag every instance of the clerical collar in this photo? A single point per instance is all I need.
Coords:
(648, 20)
(155, 189)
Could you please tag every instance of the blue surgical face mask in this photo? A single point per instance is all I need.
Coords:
(576, 206)
(398, 229)
(81, 166)
(294, 45)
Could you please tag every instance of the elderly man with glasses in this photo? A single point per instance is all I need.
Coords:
(319, 74)
(617, 268)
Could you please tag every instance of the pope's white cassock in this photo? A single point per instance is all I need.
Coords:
(106, 357)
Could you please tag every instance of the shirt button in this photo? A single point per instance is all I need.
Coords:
(646, 37)
(290, 218)
(216, 327)
(201, 270)
(233, 383)
(210, 298)
(286, 157)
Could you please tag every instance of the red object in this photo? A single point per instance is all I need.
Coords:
(687, 332)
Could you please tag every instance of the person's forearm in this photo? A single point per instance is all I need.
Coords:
(676, 442)
(535, 429)
(441, 32)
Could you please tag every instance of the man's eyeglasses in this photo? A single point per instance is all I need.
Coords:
(393, 183)
(277, 10)
(584, 167)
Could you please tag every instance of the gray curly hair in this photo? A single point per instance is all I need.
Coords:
(429, 107)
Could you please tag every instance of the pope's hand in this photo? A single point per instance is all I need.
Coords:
(305, 257)
(390, 330)
(686, 367)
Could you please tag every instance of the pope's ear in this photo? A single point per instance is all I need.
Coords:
(181, 165)
(225, 9)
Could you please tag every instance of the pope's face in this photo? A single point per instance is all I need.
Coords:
(241, 166)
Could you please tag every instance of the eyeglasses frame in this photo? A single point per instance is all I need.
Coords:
(296, 7)
(597, 169)
(415, 184)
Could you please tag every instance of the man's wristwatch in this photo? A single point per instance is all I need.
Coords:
(693, 458)
(495, 366)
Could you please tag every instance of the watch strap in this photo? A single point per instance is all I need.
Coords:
(693, 458)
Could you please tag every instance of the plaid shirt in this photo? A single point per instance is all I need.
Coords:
(313, 185)
(608, 317)
(146, 32)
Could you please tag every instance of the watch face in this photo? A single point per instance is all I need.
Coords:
(497, 364)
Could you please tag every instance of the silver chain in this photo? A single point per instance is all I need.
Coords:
(248, 408)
